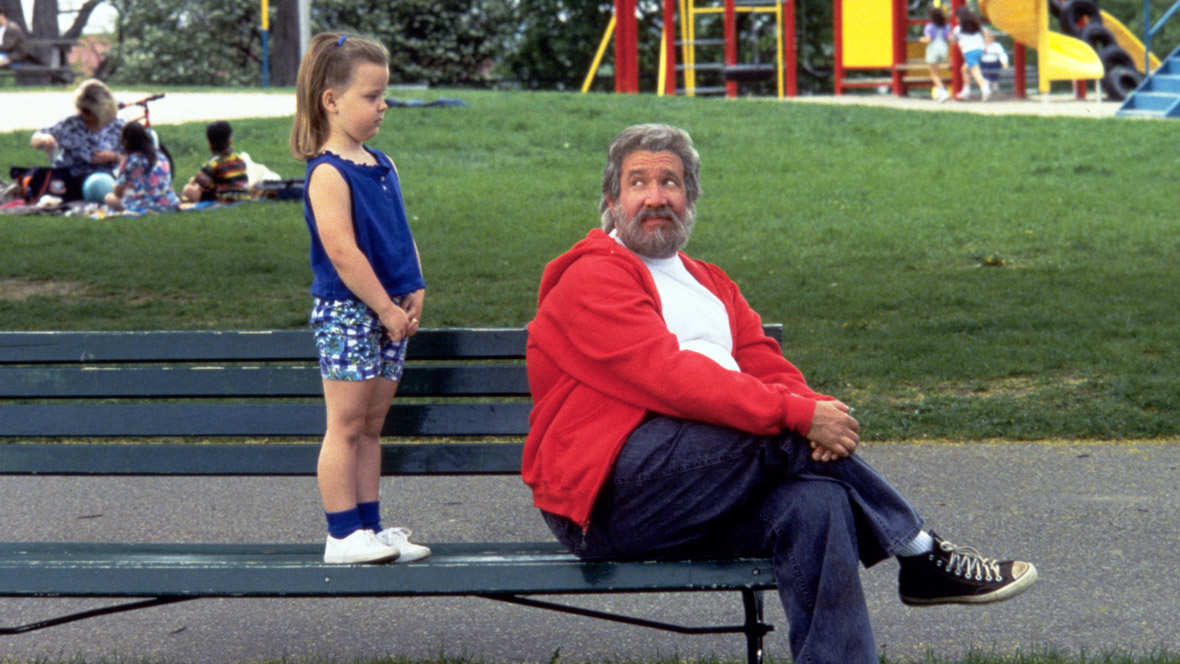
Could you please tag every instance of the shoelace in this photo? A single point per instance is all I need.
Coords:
(404, 532)
(969, 563)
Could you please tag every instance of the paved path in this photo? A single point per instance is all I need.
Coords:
(1099, 520)
(34, 110)
(1054, 105)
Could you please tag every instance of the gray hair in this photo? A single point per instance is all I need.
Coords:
(650, 138)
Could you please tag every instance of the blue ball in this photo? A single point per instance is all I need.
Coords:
(97, 186)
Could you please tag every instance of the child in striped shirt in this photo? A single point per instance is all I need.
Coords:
(223, 177)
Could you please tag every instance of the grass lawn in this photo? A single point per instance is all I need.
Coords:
(951, 275)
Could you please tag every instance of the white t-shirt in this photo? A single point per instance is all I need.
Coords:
(994, 53)
(969, 42)
(692, 312)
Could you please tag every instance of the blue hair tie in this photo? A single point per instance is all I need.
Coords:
(341, 40)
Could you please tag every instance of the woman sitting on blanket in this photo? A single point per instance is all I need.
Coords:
(85, 143)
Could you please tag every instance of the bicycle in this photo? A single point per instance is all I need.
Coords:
(146, 121)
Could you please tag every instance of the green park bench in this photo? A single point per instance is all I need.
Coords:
(142, 404)
(50, 66)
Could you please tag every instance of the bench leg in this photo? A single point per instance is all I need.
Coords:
(92, 613)
(755, 627)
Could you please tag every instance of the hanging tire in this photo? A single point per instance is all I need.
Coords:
(1097, 36)
(1074, 13)
(1114, 56)
(1120, 82)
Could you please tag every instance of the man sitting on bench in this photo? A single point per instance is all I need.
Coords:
(667, 425)
(12, 41)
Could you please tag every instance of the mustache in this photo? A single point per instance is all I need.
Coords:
(663, 212)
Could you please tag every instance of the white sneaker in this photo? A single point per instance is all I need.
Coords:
(964, 94)
(987, 93)
(941, 95)
(359, 547)
(400, 539)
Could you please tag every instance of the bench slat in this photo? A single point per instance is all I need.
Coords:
(237, 345)
(269, 459)
(259, 420)
(247, 346)
(59, 382)
(287, 570)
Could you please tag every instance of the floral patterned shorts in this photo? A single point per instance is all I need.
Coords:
(352, 342)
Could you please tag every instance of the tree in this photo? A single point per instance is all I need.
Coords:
(284, 43)
(44, 19)
(212, 42)
(558, 39)
(82, 18)
(15, 13)
(196, 42)
(432, 41)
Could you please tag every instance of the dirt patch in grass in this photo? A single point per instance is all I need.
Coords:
(980, 389)
(22, 289)
(1013, 387)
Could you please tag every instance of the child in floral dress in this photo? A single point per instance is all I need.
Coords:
(144, 182)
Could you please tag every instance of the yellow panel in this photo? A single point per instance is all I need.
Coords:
(868, 33)
(1059, 57)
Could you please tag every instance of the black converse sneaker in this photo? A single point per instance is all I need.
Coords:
(959, 574)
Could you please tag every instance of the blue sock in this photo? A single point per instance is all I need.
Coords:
(370, 514)
(343, 524)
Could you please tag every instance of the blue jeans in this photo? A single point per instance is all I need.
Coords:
(685, 489)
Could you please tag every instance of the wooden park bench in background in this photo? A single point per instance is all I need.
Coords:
(51, 64)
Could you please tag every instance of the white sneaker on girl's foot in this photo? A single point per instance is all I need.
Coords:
(400, 539)
(359, 547)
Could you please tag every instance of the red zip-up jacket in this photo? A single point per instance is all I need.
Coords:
(600, 358)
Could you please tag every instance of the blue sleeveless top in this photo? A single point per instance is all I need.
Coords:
(379, 222)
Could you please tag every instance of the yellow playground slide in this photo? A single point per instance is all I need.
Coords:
(1059, 57)
(1128, 41)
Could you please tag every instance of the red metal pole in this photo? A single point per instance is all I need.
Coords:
(626, 48)
(789, 55)
(730, 45)
(956, 54)
(1018, 76)
(669, 47)
(899, 35)
(838, 46)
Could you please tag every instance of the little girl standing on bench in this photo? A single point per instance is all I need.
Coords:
(368, 284)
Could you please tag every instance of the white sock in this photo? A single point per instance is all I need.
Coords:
(919, 545)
